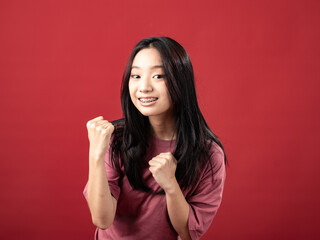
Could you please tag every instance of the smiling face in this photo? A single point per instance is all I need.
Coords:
(147, 85)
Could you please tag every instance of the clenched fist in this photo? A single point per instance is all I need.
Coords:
(163, 168)
(99, 133)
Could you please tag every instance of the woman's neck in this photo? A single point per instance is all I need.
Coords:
(163, 128)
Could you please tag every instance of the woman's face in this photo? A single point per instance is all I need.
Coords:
(147, 85)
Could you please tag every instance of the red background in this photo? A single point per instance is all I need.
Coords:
(257, 66)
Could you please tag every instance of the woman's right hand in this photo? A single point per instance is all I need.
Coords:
(99, 133)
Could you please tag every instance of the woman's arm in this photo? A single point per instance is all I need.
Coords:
(163, 169)
(178, 210)
(191, 219)
(102, 204)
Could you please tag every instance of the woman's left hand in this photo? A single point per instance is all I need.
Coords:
(163, 169)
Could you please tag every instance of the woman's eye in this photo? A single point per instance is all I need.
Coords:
(135, 76)
(159, 76)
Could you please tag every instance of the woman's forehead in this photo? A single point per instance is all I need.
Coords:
(147, 58)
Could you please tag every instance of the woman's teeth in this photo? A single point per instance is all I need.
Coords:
(147, 100)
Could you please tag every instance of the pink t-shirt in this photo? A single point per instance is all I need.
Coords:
(141, 215)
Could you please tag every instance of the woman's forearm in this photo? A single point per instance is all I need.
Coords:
(101, 203)
(178, 210)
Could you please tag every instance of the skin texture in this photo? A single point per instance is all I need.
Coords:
(102, 204)
(163, 169)
(147, 80)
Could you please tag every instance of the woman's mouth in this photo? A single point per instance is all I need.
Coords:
(147, 100)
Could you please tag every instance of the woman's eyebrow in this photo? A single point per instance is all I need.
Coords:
(153, 67)
(157, 66)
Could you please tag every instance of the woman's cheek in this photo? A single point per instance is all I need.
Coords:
(131, 92)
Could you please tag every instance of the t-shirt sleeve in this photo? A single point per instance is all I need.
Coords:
(113, 175)
(206, 198)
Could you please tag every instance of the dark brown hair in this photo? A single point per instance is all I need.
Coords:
(194, 137)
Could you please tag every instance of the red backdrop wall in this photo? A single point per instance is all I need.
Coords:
(257, 69)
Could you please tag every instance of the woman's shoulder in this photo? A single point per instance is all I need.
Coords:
(214, 148)
(216, 157)
(216, 151)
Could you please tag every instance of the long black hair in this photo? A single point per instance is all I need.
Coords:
(193, 136)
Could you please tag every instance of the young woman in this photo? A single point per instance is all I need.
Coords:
(159, 172)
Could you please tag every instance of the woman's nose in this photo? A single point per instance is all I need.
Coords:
(145, 85)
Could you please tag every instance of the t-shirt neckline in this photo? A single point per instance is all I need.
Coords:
(162, 142)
